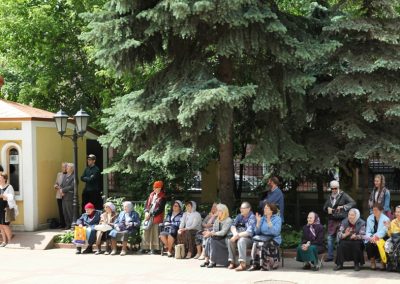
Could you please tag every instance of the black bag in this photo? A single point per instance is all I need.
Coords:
(339, 214)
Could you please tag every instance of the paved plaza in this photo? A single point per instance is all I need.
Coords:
(63, 266)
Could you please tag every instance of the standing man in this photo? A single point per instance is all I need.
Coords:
(242, 230)
(59, 193)
(337, 206)
(91, 192)
(274, 196)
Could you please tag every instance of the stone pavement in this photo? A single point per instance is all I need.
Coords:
(63, 266)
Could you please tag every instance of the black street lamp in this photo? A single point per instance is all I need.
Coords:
(81, 122)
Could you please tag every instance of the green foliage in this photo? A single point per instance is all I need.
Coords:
(290, 237)
(65, 238)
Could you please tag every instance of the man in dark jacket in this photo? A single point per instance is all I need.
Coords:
(337, 206)
(91, 192)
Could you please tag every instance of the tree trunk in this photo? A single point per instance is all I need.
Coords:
(226, 170)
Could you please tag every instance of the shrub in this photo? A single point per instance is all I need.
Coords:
(65, 238)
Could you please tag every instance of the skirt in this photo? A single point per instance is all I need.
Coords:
(120, 236)
(187, 238)
(265, 254)
(310, 255)
(217, 251)
(372, 251)
(350, 250)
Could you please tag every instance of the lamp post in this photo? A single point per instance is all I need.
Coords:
(81, 122)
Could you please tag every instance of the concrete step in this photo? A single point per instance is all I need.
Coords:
(39, 240)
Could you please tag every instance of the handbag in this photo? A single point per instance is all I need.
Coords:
(103, 227)
(180, 251)
(10, 214)
(262, 238)
(147, 223)
(79, 235)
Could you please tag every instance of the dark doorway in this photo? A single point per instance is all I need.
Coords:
(94, 147)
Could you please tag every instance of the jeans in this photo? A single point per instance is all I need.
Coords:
(331, 244)
(242, 245)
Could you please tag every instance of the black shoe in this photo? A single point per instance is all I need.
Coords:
(211, 265)
(143, 251)
(78, 250)
(89, 249)
(152, 251)
(357, 267)
(253, 268)
(307, 266)
(338, 267)
(205, 264)
(328, 259)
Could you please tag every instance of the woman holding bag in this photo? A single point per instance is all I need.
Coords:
(106, 224)
(154, 216)
(8, 208)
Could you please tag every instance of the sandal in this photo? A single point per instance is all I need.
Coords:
(205, 264)
(3, 244)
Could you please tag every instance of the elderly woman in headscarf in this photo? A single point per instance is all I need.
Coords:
(312, 243)
(216, 249)
(171, 226)
(106, 224)
(351, 240)
(190, 224)
(127, 222)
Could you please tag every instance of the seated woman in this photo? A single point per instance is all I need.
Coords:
(312, 243)
(206, 225)
(350, 237)
(105, 226)
(126, 223)
(89, 219)
(392, 245)
(265, 251)
(171, 226)
(216, 249)
(190, 224)
(376, 230)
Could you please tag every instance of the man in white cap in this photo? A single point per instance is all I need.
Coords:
(337, 206)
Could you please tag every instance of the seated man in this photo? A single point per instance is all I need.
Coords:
(242, 229)
(89, 219)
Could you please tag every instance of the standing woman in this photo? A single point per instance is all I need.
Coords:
(67, 189)
(312, 243)
(59, 195)
(154, 213)
(7, 201)
(380, 195)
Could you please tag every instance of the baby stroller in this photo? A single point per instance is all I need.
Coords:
(392, 248)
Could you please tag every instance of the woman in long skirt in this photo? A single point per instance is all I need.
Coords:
(351, 240)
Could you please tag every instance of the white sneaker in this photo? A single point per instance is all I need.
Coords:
(122, 253)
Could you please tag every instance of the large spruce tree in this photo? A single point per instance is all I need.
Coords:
(356, 113)
(219, 58)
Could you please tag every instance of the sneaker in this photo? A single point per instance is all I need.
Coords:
(122, 253)
(107, 253)
(3, 244)
(114, 252)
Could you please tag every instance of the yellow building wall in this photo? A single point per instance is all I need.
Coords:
(51, 151)
(8, 125)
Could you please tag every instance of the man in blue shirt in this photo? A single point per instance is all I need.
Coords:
(242, 230)
(275, 196)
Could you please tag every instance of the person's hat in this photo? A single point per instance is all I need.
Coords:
(89, 206)
(91, 157)
(158, 184)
